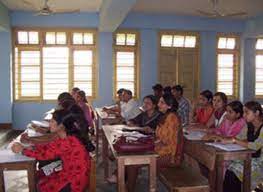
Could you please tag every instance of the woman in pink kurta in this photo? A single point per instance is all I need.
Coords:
(232, 123)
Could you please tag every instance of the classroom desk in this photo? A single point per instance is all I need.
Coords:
(217, 176)
(126, 159)
(101, 119)
(12, 161)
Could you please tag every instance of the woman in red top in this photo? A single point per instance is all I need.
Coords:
(204, 108)
(69, 147)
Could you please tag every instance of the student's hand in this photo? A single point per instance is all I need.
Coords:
(207, 137)
(148, 130)
(25, 138)
(17, 147)
(129, 123)
(227, 140)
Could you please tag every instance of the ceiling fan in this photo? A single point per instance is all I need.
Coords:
(217, 13)
(46, 10)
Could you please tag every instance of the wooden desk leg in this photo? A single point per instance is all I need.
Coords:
(97, 137)
(31, 177)
(105, 159)
(152, 175)
(2, 181)
(212, 180)
(247, 174)
(121, 175)
(219, 175)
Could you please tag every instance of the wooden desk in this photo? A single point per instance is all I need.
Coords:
(126, 159)
(101, 119)
(13, 161)
(217, 175)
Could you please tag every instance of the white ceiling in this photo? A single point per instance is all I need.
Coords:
(34, 5)
(178, 7)
(189, 7)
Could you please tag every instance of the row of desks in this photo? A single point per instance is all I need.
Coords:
(216, 177)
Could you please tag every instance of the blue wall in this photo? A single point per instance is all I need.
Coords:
(4, 18)
(148, 26)
(5, 78)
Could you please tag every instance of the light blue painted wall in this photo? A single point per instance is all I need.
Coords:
(254, 27)
(105, 69)
(148, 26)
(147, 21)
(208, 61)
(4, 18)
(149, 56)
(5, 76)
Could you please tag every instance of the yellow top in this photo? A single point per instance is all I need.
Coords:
(167, 133)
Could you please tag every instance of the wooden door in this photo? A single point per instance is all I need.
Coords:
(180, 66)
(168, 66)
(188, 72)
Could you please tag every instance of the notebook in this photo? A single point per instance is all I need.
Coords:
(227, 147)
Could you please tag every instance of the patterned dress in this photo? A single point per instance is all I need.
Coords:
(76, 164)
(169, 132)
(257, 162)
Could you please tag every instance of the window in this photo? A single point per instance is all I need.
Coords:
(178, 40)
(259, 68)
(47, 63)
(227, 65)
(126, 62)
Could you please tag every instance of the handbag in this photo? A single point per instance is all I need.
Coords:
(125, 145)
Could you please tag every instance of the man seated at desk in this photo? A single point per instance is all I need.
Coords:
(129, 108)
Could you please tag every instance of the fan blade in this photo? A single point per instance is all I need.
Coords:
(66, 11)
(235, 14)
(206, 13)
(27, 2)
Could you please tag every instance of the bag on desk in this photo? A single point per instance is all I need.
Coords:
(125, 145)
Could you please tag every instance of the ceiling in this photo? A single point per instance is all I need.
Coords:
(189, 7)
(34, 5)
(178, 7)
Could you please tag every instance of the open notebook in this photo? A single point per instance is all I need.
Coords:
(227, 147)
(194, 135)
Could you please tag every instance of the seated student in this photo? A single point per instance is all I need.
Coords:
(204, 109)
(168, 144)
(167, 90)
(86, 108)
(157, 91)
(219, 105)
(129, 108)
(252, 138)
(115, 109)
(232, 124)
(70, 147)
(63, 96)
(74, 91)
(119, 93)
(150, 117)
(183, 104)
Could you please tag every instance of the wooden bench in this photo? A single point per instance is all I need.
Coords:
(183, 178)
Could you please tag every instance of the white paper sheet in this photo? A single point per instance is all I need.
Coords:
(41, 123)
(194, 135)
(227, 147)
(6, 155)
(33, 133)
